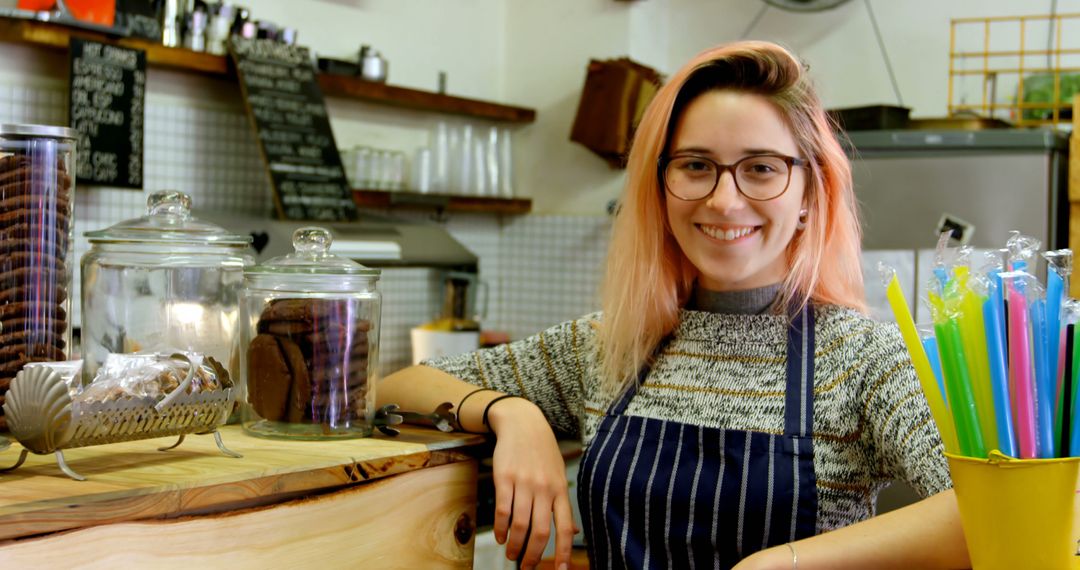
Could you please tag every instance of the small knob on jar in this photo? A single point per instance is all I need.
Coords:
(312, 240)
(169, 203)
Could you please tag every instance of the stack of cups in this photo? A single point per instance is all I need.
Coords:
(467, 161)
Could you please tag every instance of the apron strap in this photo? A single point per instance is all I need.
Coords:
(623, 401)
(799, 398)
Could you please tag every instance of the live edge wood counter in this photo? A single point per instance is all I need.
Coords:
(380, 502)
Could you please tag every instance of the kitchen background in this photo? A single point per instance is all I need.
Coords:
(544, 267)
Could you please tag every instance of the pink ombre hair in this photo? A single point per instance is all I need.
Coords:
(648, 278)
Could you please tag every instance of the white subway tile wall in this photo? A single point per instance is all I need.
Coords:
(537, 270)
(550, 269)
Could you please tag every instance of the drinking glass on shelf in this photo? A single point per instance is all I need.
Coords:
(478, 185)
(440, 157)
(397, 170)
(465, 151)
(506, 165)
(348, 163)
(363, 168)
(491, 161)
(422, 171)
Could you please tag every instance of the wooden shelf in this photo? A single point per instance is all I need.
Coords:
(355, 88)
(57, 36)
(384, 199)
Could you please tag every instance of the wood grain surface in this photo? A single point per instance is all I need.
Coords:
(132, 480)
(422, 519)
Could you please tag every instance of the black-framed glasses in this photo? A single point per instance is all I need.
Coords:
(758, 177)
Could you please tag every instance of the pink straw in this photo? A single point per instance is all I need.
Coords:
(1020, 374)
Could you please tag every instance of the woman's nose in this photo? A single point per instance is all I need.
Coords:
(726, 196)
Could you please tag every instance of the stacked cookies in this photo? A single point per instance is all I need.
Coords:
(309, 362)
(35, 226)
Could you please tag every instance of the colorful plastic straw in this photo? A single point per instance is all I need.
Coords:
(929, 343)
(1065, 411)
(1058, 269)
(973, 337)
(1020, 366)
(999, 371)
(1070, 422)
(918, 358)
(1044, 396)
(957, 381)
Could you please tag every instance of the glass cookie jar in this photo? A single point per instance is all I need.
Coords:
(163, 282)
(37, 187)
(310, 343)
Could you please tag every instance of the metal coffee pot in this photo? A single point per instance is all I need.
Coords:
(373, 66)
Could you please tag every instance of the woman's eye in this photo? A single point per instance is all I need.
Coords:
(762, 168)
(695, 166)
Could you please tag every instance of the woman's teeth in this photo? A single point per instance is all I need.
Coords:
(728, 235)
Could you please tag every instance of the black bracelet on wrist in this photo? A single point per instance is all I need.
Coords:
(492, 403)
(457, 413)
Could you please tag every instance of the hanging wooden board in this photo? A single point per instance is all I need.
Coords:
(283, 100)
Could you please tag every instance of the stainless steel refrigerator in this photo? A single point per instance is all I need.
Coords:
(996, 180)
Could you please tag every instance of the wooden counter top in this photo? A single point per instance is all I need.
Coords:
(131, 481)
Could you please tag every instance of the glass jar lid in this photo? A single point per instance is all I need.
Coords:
(34, 131)
(312, 255)
(168, 220)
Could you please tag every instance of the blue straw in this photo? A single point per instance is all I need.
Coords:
(1044, 395)
(999, 375)
(930, 345)
(1055, 296)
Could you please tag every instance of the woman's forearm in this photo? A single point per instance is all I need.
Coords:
(422, 389)
(927, 534)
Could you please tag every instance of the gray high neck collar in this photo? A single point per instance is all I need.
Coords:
(746, 302)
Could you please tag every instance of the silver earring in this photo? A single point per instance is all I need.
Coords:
(801, 224)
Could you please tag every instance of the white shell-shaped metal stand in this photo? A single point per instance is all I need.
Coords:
(44, 418)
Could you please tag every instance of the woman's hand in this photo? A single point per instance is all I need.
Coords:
(530, 484)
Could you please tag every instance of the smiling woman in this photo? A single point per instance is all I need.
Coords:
(736, 406)
(736, 233)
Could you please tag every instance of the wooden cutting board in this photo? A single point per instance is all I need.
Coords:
(132, 480)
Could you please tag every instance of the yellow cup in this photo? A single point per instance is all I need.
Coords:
(1017, 513)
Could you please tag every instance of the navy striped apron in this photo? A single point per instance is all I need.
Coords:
(677, 495)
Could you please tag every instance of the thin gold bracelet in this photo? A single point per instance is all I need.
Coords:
(794, 557)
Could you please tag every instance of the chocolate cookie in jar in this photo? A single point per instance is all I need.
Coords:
(311, 338)
(37, 185)
(163, 282)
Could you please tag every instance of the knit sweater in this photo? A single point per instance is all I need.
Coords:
(871, 421)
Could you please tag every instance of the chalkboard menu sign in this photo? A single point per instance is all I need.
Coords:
(286, 106)
(108, 87)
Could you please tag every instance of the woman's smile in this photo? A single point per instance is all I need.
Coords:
(728, 234)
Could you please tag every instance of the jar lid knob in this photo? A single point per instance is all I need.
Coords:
(169, 203)
(312, 240)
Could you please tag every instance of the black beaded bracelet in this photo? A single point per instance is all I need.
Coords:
(492, 403)
(457, 414)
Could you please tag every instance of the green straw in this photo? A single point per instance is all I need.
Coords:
(957, 382)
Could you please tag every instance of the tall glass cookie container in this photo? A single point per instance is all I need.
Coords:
(311, 338)
(37, 185)
(163, 282)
